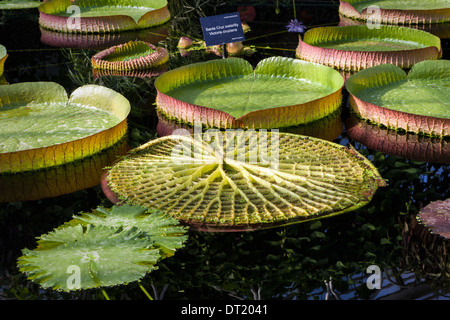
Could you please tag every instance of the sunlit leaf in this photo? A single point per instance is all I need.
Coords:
(19, 4)
(3, 56)
(243, 180)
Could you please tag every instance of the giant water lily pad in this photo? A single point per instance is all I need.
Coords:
(353, 48)
(102, 16)
(411, 12)
(3, 56)
(41, 127)
(19, 4)
(133, 55)
(228, 93)
(243, 179)
(417, 102)
(436, 217)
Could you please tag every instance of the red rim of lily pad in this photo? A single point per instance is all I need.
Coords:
(416, 121)
(396, 16)
(267, 116)
(436, 217)
(405, 145)
(428, 47)
(152, 57)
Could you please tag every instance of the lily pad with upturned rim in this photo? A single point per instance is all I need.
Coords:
(416, 102)
(41, 127)
(412, 12)
(133, 55)
(103, 16)
(436, 217)
(243, 180)
(3, 56)
(229, 93)
(19, 4)
(353, 48)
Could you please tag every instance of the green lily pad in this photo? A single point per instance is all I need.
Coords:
(41, 127)
(3, 56)
(353, 48)
(19, 4)
(417, 102)
(133, 55)
(411, 12)
(228, 93)
(163, 230)
(103, 16)
(436, 217)
(243, 179)
(100, 256)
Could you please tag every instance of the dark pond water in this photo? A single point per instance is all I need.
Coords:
(324, 259)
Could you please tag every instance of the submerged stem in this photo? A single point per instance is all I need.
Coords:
(145, 292)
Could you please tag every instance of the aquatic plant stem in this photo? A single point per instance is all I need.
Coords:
(293, 6)
(105, 294)
(145, 292)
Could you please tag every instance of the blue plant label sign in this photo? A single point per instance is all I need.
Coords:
(221, 29)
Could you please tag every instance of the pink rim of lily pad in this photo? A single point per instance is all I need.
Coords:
(399, 120)
(269, 118)
(436, 217)
(355, 60)
(53, 15)
(398, 16)
(404, 145)
(158, 57)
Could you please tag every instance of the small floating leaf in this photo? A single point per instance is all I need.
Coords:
(228, 93)
(353, 48)
(41, 127)
(243, 180)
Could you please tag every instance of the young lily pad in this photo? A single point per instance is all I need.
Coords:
(64, 179)
(85, 257)
(436, 217)
(102, 16)
(401, 144)
(411, 12)
(353, 48)
(3, 56)
(417, 102)
(133, 55)
(242, 180)
(40, 127)
(228, 93)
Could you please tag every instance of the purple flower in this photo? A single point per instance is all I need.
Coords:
(295, 26)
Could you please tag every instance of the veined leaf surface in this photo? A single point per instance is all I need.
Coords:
(243, 180)
(436, 217)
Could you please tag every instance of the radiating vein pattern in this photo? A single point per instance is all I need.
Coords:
(241, 180)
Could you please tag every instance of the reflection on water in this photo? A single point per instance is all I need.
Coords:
(401, 144)
(294, 262)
